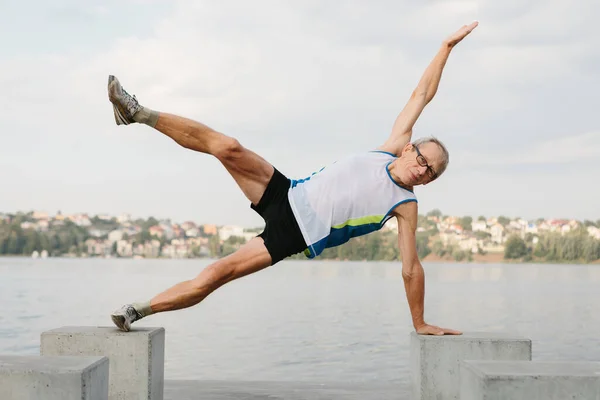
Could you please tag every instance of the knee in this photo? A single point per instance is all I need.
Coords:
(227, 148)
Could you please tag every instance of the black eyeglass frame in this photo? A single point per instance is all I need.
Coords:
(423, 163)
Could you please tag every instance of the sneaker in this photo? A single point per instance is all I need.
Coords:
(124, 105)
(125, 316)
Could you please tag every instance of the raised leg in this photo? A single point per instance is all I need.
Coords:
(251, 172)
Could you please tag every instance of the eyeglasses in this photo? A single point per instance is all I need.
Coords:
(423, 163)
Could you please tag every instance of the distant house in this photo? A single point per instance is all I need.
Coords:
(210, 229)
(95, 232)
(594, 232)
(469, 244)
(188, 225)
(124, 248)
(156, 231)
(43, 225)
(192, 232)
(152, 249)
(531, 228)
(178, 232)
(40, 215)
(28, 225)
(80, 219)
(497, 232)
(115, 235)
(228, 231)
(97, 247)
(167, 230)
(124, 218)
(478, 226)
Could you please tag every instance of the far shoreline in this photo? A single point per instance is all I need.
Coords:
(490, 258)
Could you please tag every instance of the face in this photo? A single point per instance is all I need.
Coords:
(418, 165)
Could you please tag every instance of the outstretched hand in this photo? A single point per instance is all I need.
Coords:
(435, 330)
(460, 34)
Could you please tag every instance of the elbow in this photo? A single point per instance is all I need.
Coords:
(420, 93)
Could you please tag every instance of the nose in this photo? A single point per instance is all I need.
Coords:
(421, 170)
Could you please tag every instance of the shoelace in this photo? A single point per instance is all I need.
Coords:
(130, 102)
(132, 314)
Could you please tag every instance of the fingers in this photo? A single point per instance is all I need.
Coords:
(473, 25)
(451, 331)
(437, 331)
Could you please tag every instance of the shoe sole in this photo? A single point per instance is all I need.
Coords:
(120, 322)
(118, 111)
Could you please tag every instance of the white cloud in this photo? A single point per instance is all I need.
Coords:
(299, 83)
(568, 149)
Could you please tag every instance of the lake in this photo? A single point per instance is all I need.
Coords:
(305, 320)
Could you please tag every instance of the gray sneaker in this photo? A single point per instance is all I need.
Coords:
(125, 316)
(124, 105)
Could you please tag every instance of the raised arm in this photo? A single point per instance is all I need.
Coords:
(412, 270)
(423, 93)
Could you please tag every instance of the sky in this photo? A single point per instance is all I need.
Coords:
(301, 84)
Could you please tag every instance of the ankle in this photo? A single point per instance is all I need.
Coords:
(143, 309)
(146, 116)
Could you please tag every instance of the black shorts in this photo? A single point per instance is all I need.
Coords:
(282, 235)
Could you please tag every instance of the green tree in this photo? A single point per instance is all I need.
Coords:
(502, 220)
(591, 249)
(214, 246)
(515, 247)
(438, 248)
(481, 218)
(434, 213)
(13, 245)
(465, 223)
(462, 255)
(482, 235)
(423, 249)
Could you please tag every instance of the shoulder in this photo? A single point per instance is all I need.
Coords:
(407, 210)
(387, 149)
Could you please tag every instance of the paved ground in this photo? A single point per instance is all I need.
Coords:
(240, 390)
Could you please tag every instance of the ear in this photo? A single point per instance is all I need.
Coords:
(407, 148)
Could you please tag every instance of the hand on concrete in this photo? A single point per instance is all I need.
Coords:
(427, 329)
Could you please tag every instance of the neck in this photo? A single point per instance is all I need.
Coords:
(392, 169)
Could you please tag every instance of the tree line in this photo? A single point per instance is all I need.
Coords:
(69, 238)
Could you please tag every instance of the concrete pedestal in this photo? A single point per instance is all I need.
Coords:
(435, 360)
(136, 357)
(53, 378)
(533, 380)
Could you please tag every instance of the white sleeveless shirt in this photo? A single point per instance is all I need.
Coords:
(352, 197)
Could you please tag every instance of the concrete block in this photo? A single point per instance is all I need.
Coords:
(53, 378)
(529, 380)
(435, 360)
(136, 358)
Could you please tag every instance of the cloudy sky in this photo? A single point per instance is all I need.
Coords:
(302, 84)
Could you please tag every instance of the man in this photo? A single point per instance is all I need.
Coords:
(352, 197)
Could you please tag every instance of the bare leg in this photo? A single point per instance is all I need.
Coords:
(250, 258)
(251, 172)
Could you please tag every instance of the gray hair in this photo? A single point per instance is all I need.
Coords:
(445, 155)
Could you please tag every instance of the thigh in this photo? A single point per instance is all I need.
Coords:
(251, 172)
